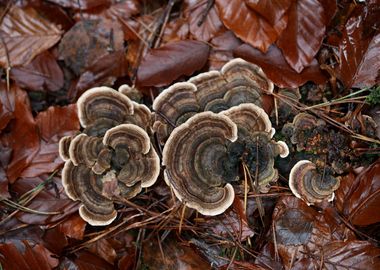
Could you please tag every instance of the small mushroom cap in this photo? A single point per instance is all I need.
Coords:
(63, 147)
(307, 184)
(80, 183)
(131, 92)
(194, 157)
(103, 102)
(85, 149)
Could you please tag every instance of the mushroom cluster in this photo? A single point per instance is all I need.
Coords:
(213, 125)
(238, 82)
(203, 156)
(112, 158)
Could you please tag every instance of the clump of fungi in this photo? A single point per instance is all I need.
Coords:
(113, 158)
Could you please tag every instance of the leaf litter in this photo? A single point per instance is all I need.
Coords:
(327, 52)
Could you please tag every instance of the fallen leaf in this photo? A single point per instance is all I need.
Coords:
(175, 30)
(22, 255)
(51, 199)
(81, 4)
(23, 137)
(303, 36)
(104, 71)
(85, 260)
(103, 249)
(43, 73)
(97, 39)
(350, 255)
(278, 70)
(7, 104)
(73, 227)
(362, 198)
(272, 11)
(247, 24)
(359, 56)
(25, 34)
(204, 22)
(163, 65)
(222, 49)
(175, 256)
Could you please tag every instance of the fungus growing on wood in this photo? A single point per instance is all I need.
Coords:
(113, 158)
(238, 82)
(203, 156)
(311, 185)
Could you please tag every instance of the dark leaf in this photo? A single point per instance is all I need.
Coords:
(43, 73)
(51, 199)
(304, 33)
(278, 70)
(73, 227)
(362, 198)
(25, 34)
(103, 249)
(24, 256)
(7, 104)
(97, 39)
(247, 24)
(81, 4)
(222, 49)
(275, 12)
(163, 65)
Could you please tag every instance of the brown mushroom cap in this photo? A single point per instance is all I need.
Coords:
(238, 82)
(194, 162)
(311, 186)
(63, 147)
(80, 183)
(258, 150)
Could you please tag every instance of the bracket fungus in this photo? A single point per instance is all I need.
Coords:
(203, 156)
(238, 82)
(310, 185)
(113, 158)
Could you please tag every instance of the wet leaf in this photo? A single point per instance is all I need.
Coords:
(7, 104)
(278, 70)
(81, 4)
(97, 39)
(43, 73)
(23, 137)
(204, 22)
(351, 255)
(273, 11)
(103, 249)
(222, 49)
(25, 34)
(247, 24)
(359, 55)
(51, 199)
(163, 65)
(73, 227)
(22, 255)
(304, 33)
(175, 256)
(362, 199)
(86, 261)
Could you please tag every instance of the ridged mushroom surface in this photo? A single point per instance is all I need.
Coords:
(312, 185)
(113, 159)
(238, 82)
(203, 156)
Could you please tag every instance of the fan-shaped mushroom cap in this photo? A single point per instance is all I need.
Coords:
(103, 102)
(195, 162)
(134, 155)
(63, 147)
(238, 82)
(311, 186)
(82, 184)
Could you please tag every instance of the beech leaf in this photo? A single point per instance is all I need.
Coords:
(163, 65)
(25, 34)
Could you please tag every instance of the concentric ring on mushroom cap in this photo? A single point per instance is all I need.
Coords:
(103, 102)
(307, 184)
(194, 160)
(143, 164)
(79, 183)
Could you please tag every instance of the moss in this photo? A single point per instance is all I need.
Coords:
(374, 96)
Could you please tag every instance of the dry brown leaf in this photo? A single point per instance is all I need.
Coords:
(278, 70)
(25, 34)
(43, 73)
(163, 65)
(204, 24)
(7, 104)
(304, 33)
(247, 24)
